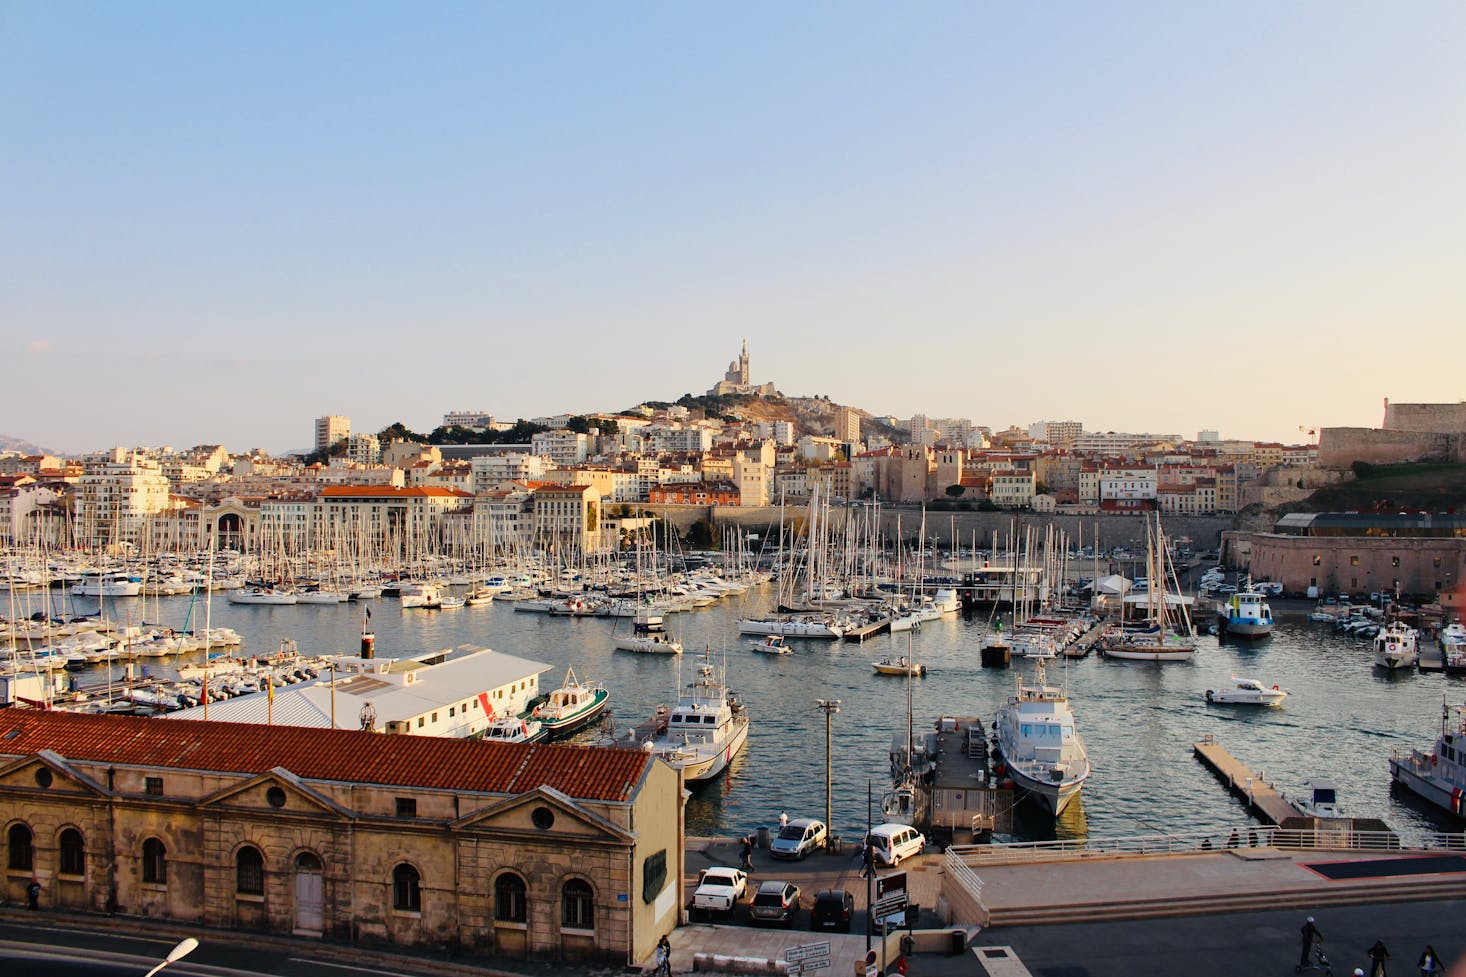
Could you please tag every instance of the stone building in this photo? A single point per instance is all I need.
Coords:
(544, 851)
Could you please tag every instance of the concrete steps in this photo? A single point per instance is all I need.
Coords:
(1379, 890)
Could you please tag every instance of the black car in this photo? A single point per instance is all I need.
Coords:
(832, 910)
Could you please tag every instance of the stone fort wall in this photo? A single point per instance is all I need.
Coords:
(1340, 447)
(1426, 418)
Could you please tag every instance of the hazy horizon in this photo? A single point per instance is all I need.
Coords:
(225, 220)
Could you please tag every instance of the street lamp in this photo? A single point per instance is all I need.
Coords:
(174, 955)
(829, 707)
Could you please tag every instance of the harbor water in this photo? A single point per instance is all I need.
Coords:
(1139, 720)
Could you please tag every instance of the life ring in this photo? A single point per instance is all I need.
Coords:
(1276, 689)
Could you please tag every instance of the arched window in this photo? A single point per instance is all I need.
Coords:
(307, 862)
(578, 905)
(510, 902)
(22, 856)
(73, 853)
(249, 872)
(406, 889)
(155, 862)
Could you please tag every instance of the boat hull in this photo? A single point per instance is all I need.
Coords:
(555, 728)
(1410, 773)
(705, 768)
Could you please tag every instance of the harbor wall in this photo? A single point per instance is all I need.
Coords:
(1114, 530)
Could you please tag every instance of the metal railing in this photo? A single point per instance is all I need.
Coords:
(1250, 836)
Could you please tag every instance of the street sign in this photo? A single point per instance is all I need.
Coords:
(809, 965)
(870, 963)
(807, 951)
(891, 894)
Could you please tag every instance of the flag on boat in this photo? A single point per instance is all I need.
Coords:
(369, 613)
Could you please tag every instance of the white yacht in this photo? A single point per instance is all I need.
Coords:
(1440, 775)
(106, 585)
(1396, 647)
(792, 627)
(1322, 800)
(424, 595)
(1041, 749)
(1453, 647)
(706, 729)
(1247, 692)
(262, 595)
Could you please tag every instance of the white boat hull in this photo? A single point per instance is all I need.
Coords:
(708, 766)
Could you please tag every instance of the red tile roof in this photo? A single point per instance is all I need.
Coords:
(351, 756)
(373, 491)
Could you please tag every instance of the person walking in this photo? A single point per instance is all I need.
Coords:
(1377, 957)
(746, 855)
(1311, 935)
(664, 957)
(33, 895)
(1430, 962)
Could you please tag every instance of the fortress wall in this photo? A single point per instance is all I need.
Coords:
(1340, 447)
(1426, 418)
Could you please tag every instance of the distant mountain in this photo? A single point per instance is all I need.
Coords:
(7, 443)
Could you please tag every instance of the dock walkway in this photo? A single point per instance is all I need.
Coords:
(1082, 645)
(1259, 795)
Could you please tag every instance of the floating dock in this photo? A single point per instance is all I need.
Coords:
(860, 634)
(1432, 658)
(962, 804)
(1260, 797)
(1081, 646)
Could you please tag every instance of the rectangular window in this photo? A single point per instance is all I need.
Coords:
(419, 722)
(154, 786)
(435, 717)
(407, 807)
(1394, 561)
(1436, 563)
(1353, 561)
(452, 711)
(1317, 560)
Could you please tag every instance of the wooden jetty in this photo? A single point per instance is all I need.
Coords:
(1432, 658)
(1257, 793)
(861, 633)
(1081, 646)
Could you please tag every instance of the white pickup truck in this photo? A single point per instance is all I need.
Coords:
(719, 889)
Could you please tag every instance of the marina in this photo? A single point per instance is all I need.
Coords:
(1139, 719)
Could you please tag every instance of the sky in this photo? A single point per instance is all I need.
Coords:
(219, 221)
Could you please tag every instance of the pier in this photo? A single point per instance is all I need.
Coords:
(1261, 799)
(963, 805)
(1082, 645)
(1432, 658)
(861, 633)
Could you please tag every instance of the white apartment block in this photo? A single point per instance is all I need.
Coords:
(1111, 442)
(378, 515)
(782, 432)
(753, 479)
(567, 519)
(565, 448)
(503, 521)
(508, 466)
(679, 440)
(1127, 485)
(474, 420)
(330, 429)
(364, 449)
(116, 500)
(1056, 433)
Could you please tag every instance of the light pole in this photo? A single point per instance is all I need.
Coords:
(829, 707)
(868, 866)
(182, 950)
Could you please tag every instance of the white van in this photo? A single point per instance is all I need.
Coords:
(891, 844)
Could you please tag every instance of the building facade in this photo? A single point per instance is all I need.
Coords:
(331, 428)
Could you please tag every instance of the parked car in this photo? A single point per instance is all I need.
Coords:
(719, 889)
(832, 910)
(798, 838)
(775, 902)
(891, 843)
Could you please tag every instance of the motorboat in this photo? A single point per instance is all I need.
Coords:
(705, 731)
(106, 585)
(1453, 647)
(1440, 775)
(1320, 801)
(648, 636)
(1247, 692)
(421, 595)
(1396, 646)
(571, 706)
(513, 729)
(479, 597)
(1042, 751)
(899, 666)
(1246, 614)
(773, 644)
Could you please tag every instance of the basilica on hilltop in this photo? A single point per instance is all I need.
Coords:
(736, 380)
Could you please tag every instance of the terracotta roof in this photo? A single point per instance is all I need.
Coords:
(373, 491)
(351, 756)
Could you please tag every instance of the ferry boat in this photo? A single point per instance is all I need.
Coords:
(1396, 647)
(571, 706)
(1246, 615)
(1041, 749)
(1440, 775)
(706, 729)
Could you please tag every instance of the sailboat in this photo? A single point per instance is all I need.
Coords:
(1167, 634)
(906, 801)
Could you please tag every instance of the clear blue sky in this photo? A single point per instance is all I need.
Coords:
(220, 220)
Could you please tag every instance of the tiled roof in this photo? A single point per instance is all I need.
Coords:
(351, 756)
(372, 491)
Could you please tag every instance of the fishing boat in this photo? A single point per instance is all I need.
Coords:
(571, 706)
(1040, 748)
(705, 731)
(1438, 776)
(1246, 614)
(773, 644)
(1247, 692)
(1396, 647)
